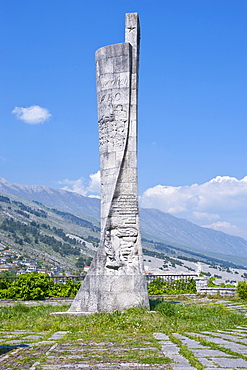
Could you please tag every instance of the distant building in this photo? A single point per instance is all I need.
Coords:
(31, 268)
(20, 272)
(4, 267)
(44, 271)
(3, 260)
(11, 267)
(8, 253)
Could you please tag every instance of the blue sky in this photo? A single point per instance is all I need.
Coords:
(192, 100)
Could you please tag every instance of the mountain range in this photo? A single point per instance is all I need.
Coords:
(155, 225)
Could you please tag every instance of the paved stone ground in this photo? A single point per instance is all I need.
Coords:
(42, 351)
(35, 351)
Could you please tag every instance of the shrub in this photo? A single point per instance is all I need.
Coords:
(4, 283)
(69, 289)
(224, 285)
(181, 286)
(242, 289)
(33, 286)
(211, 282)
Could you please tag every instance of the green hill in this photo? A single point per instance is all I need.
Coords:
(49, 236)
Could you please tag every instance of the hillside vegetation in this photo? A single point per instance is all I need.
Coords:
(58, 238)
(50, 236)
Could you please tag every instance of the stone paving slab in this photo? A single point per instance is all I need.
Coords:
(242, 340)
(161, 336)
(101, 367)
(230, 362)
(32, 336)
(232, 338)
(182, 367)
(233, 332)
(58, 335)
(226, 343)
(190, 343)
(209, 353)
(207, 363)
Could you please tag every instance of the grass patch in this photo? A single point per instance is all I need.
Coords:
(123, 336)
(167, 319)
(155, 360)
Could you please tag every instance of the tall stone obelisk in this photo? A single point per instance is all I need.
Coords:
(116, 278)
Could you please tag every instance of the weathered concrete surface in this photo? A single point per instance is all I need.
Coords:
(116, 279)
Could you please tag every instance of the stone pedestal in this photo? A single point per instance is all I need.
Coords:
(116, 278)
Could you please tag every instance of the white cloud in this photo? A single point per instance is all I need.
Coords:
(224, 226)
(223, 198)
(94, 196)
(205, 215)
(77, 186)
(167, 198)
(94, 185)
(33, 115)
(90, 188)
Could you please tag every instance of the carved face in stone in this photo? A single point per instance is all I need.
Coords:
(120, 246)
(127, 248)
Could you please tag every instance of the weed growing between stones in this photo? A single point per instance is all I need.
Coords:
(184, 351)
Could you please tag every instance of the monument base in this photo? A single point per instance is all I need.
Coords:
(72, 313)
(107, 293)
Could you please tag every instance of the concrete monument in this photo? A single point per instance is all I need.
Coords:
(116, 278)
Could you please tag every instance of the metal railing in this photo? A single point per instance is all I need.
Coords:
(78, 278)
(171, 277)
